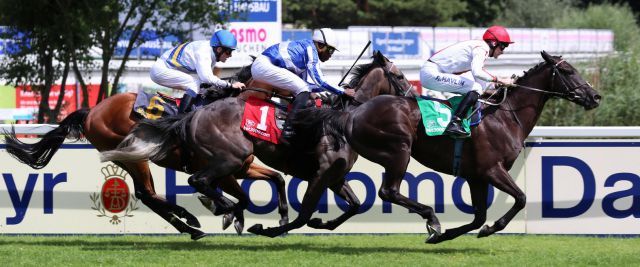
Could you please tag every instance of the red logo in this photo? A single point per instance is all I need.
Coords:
(115, 194)
(114, 197)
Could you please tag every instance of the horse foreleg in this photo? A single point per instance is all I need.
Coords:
(503, 181)
(144, 190)
(390, 191)
(258, 172)
(479, 194)
(309, 203)
(344, 191)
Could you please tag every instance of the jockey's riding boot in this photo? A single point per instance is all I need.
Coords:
(299, 102)
(185, 103)
(455, 128)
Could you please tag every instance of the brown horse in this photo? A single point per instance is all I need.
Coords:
(213, 135)
(105, 126)
(389, 130)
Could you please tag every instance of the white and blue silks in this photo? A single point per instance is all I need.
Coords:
(187, 66)
(292, 66)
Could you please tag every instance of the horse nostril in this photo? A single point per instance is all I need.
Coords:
(597, 98)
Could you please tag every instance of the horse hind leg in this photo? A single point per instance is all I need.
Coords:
(257, 172)
(229, 185)
(343, 190)
(479, 190)
(144, 190)
(503, 181)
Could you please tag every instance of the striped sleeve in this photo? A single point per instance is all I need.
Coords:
(316, 74)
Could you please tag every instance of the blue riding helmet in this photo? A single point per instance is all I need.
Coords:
(224, 38)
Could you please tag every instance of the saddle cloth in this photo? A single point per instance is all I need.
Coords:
(259, 120)
(437, 113)
(155, 106)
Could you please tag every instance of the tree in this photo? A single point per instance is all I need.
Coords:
(33, 59)
(341, 14)
(55, 37)
(533, 14)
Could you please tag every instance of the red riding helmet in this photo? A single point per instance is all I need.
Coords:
(497, 33)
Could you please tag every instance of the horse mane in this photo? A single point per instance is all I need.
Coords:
(313, 123)
(539, 66)
(361, 70)
(244, 74)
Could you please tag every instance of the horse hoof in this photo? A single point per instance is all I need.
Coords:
(315, 223)
(284, 221)
(227, 219)
(484, 231)
(255, 229)
(192, 221)
(433, 230)
(197, 235)
(433, 239)
(207, 203)
(239, 226)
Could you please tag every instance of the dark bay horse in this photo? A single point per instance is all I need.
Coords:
(105, 126)
(388, 130)
(213, 133)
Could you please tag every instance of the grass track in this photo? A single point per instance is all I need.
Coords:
(320, 250)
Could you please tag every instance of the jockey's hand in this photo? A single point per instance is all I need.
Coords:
(238, 86)
(508, 82)
(350, 92)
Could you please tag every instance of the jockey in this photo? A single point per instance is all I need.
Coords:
(442, 72)
(293, 66)
(189, 65)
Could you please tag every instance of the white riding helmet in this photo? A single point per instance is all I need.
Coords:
(326, 36)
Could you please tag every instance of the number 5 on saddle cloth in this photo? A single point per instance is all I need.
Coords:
(437, 113)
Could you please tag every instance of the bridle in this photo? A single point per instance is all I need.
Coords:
(568, 91)
(393, 81)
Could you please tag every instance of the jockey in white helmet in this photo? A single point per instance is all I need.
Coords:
(293, 66)
(187, 66)
(445, 71)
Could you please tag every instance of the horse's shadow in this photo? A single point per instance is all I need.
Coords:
(222, 245)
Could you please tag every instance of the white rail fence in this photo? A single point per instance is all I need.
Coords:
(538, 132)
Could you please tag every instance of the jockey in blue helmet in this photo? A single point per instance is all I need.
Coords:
(188, 65)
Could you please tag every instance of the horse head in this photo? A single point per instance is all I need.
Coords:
(567, 83)
(380, 77)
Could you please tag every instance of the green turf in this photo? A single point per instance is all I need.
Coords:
(323, 250)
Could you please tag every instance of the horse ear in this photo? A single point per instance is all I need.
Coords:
(548, 58)
(378, 57)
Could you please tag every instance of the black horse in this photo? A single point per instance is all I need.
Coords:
(214, 136)
(388, 130)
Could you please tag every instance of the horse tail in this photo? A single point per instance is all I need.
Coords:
(149, 139)
(39, 154)
(312, 123)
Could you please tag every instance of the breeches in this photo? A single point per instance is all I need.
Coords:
(432, 78)
(166, 76)
(264, 71)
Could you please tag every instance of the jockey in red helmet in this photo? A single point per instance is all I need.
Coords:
(459, 68)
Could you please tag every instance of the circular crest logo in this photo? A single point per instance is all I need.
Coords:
(114, 197)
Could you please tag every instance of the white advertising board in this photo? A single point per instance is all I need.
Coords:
(572, 187)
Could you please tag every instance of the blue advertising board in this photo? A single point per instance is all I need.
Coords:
(254, 10)
(395, 44)
(153, 46)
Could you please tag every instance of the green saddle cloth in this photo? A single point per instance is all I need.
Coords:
(436, 115)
